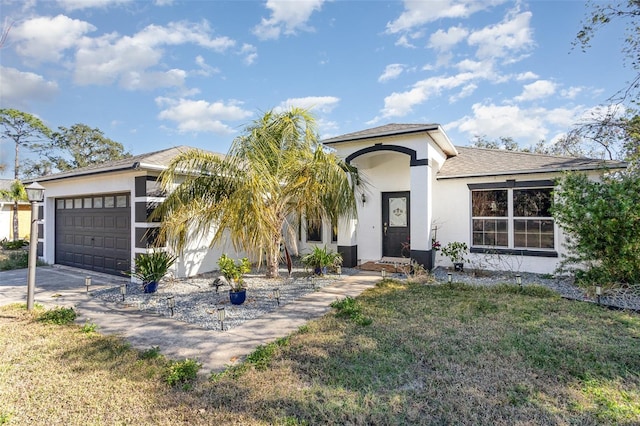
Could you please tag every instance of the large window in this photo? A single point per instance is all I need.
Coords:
(314, 230)
(518, 218)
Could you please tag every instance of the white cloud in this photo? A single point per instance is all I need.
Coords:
(320, 103)
(18, 86)
(497, 41)
(250, 53)
(86, 4)
(537, 90)
(44, 39)
(205, 69)
(571, 92)
(445, 40)
(525, 125)
(111, 57)
(195, 116)
(286, 17)
(399, 104)
(134, 80)
(526, 76)
(420, 12)
(403, 41)
(391, 72)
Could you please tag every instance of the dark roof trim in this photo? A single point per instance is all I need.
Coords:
(351, 137)
(511, 183)
(414, 161)
(134, 166)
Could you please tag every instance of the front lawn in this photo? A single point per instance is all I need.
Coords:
(433, 354)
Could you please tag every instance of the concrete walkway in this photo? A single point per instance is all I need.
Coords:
(62, 286)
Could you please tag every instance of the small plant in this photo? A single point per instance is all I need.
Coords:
(152, 267)
(321, 258)
(58, 315)
(13, 245)
(183, 373)
(350, 308)
(152, 353)
(89, 327)
(234, 271)
(455, 251)
(15, 260)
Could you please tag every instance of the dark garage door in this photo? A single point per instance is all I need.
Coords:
(94, 233)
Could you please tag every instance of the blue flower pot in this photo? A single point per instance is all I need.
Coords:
(237, 297)
(150, 287)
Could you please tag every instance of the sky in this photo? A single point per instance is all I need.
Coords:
(157, 74)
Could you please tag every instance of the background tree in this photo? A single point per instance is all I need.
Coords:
(274, 174)
(15, 193)
(23, 129)
(72, 148)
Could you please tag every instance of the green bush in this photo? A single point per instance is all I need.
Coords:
(15, 260)
(13, 245)
(183, 373)
(58, 315)
(351, 308)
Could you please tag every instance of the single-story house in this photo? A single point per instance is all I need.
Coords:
(420, 189)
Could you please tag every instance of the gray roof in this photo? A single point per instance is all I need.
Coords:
(473, 162)
(157, 160)
(381, 131)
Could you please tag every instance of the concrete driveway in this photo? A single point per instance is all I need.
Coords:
(55, 285)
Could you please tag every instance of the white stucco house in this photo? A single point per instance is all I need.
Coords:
(420, 187)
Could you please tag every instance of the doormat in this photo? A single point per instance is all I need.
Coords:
(377, 267)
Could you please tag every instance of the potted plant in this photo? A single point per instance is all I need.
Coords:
(456, 251)
(234, 272)
(150, 268)
(320, 258)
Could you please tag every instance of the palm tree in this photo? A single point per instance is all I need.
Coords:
(15, 194)
(274, 174)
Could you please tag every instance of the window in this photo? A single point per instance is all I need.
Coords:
(334, 230)
(314, 230)
(512, 218)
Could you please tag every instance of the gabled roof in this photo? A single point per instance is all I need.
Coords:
(396, 129)
(157, 160)
(474, 162)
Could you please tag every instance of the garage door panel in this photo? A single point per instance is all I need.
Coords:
(97, 239)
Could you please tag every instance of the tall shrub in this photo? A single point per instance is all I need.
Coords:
(602, 222)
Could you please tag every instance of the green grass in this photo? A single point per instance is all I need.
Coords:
(432, 354)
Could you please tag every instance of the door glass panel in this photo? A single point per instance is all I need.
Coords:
(398, 212)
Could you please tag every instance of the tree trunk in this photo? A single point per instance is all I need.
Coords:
(273, 260)
(16, 228)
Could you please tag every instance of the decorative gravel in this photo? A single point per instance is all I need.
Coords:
(197, 301)
(619, 298)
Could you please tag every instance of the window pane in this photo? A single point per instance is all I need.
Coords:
(97, 203)
(87, 203)
(68, 204)
(534, 234)
(314, 230)
(77, 203)
(121, 201)
(532, 202)
(489, 203)
(60, 204)
(108, 202)
(490, 232)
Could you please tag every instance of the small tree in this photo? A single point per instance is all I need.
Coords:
(602, 222)
(23, 129)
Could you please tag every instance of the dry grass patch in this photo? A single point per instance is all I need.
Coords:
(433, 354)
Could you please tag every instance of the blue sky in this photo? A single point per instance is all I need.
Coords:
(156, 74)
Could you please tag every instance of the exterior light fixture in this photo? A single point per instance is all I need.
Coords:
(35, 194)
(221, 314)
(598, 293)
(339, 270)
(123, 290)
(87, 283)
(449, 277)
(171, 303)
(276, 294)
(383, 272)
(363, 197)
(519, 280)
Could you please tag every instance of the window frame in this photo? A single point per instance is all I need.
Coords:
(510, 186)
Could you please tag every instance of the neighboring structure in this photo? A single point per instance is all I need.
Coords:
(420, 187)
(6, 215)
(96, 217)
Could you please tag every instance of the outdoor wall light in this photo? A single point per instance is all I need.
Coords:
(449, 277)
(87, 283)
(171, 303)
(221, 315)
(519, 280)
(363, 197)
(598, 293)
(123, 290)
(276, 294)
